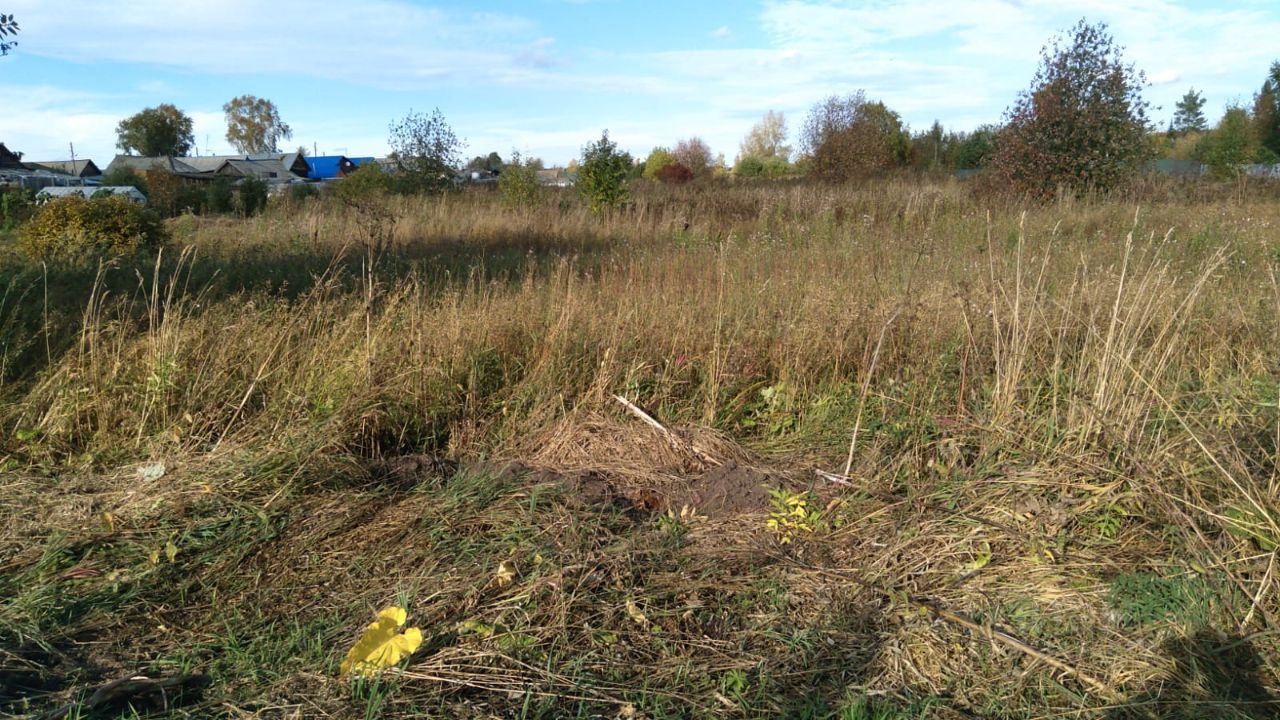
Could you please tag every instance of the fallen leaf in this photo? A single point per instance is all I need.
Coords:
(636, 615)
(382, 645)
(506, 574)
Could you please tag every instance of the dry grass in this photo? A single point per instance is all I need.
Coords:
(1068, 434)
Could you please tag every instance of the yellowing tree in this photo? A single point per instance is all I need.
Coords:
(254, 125)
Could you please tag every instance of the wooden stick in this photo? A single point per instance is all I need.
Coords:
(676, 441)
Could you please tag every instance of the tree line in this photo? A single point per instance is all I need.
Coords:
(1083, 124)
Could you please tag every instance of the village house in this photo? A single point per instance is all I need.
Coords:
(83, 169)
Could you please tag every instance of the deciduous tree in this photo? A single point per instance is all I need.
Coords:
(851, 137)
(695, 155)
(1082, 124)
(161, 130)
(254, 125)
(767, 139)
(426, 152)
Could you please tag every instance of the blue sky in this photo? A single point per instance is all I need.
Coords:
(546, 76)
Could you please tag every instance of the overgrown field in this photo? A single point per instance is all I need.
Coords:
(912, 455)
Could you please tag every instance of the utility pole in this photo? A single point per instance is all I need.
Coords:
(73, 161)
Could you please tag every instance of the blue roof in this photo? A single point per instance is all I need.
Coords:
(362, 160)
(324, 167)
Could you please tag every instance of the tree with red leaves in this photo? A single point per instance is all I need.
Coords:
(1082, 125)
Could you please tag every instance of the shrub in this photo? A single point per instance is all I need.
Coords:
(750, 166)
(675, 174)
(602, 175)
(220, 196)
(367, 181)
(518, 182)
(253, 196)
(72, 227)
(16, 205)
(171, 195)
(301, 192)
(123, 176)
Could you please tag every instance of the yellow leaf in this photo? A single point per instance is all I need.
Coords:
(154, 557)
(634, 611)
(109, 521)
(170, 550)
(505, 575)
(382, 645)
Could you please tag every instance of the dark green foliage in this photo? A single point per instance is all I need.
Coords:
(366, 182)
(602, 174)
(300, 192)
(976, 149)
(72, 227)
(220, 196)
(123, 176)
(492, 162)
(426, 152)
(253, 196)
(1082, 124)
(1266, 110)
(16, 205)
(161, 130)
(1144, 598)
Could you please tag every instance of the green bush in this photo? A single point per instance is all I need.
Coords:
(72, 227)
(220, 196)
(602, 175)
(367, 181)
(301, 192)
(16, 205)
(518, 181)
(253, 196)
(123, 176)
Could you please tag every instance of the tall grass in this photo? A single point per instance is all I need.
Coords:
(1111, 361)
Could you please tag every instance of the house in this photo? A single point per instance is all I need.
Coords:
(145, 165)
(128, 191)
(329, 167)
(75, 168)
(14, 172)
(10, 160)
(265, 166)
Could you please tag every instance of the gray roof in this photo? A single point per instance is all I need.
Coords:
(70, 167)
(264, 165)
(164, 162)
(208, 163)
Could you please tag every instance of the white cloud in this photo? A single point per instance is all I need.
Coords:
(721, 32)
(387, 43)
